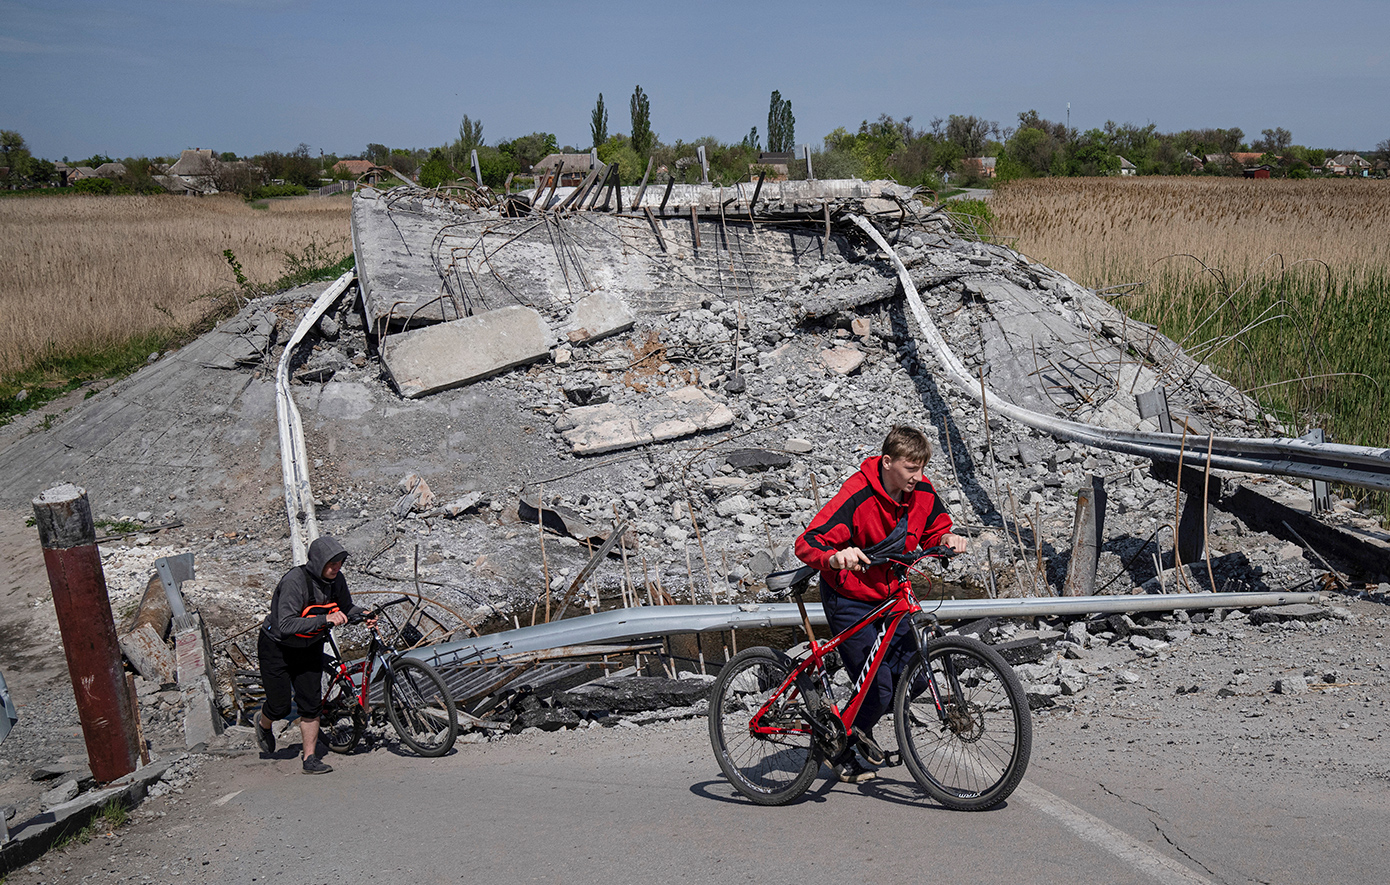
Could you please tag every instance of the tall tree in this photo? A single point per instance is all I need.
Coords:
(470, 139)
(641, 123)
(598, 123)
(781, 125)
(1275, 141)
(14, 154)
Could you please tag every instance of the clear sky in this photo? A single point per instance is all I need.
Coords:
(145, 77)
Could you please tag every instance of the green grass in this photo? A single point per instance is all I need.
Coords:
(1309, 343)
(972, 219)
(112, 816)
(57, 372)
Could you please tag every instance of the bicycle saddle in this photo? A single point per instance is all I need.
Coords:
(785, 583)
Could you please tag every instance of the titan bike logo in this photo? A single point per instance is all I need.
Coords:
(869, 664)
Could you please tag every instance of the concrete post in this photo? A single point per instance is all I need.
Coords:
(477, 170)
(704, 164)
(806, 152)
(68, 535)
(1087, 536)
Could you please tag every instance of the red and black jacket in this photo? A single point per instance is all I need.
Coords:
(861, 515)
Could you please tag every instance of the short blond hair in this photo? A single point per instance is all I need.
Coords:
(904, 441)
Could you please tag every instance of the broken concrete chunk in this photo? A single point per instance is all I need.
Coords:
(1279, 613)
(598, 316)
(243, 340)
(557, 518)
(756, 459)
(1290, 685)
(632, 694)
(459, 506)
(424, 361)
(148, 654)
(417, 497)
(798, 446)
(611, 427)
(64, 792)
(842, 360)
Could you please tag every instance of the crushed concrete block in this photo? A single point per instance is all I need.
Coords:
(242, 341)
(64, 792)
(733, 506)
(1290, 685)
(632, 694)
(1279, 613)
(598, 316)
(148, 654)
(424, 361)
(610, 427)
(756, 459)
(842, 360)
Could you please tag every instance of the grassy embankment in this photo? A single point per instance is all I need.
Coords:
(90, 286)
(1284, 286)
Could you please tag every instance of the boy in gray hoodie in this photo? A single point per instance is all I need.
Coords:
(309, 599)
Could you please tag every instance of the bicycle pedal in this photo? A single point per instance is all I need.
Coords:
(891, 759)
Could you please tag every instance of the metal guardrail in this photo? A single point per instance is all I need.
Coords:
(627, 624)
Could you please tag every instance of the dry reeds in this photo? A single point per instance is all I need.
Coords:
(79, 272)
(1282, 285)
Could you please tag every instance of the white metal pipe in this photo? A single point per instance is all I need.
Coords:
(294, 460)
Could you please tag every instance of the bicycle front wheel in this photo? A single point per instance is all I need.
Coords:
(972, 754)
(770, 759)
(342, 721)
(420, 708)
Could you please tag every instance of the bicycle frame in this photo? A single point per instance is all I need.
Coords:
(369, 668)
(899, 605)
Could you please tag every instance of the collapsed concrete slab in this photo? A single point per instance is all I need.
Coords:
(423, 361)
(598, 316)
(609, 427)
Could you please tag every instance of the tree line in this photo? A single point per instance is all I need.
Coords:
(945, 151)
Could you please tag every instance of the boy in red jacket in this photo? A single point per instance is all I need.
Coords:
(889, 496)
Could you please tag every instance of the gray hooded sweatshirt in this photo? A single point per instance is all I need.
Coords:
(303, 586)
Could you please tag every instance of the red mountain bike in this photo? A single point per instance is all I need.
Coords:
(959, 712)
(416, 698)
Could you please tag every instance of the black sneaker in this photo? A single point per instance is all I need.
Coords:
(265, 738)
(852, 772)
(315, 765)
(869, 748)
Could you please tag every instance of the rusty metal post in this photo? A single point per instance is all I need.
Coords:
(70, 554)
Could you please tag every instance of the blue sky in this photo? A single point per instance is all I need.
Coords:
(132, 78)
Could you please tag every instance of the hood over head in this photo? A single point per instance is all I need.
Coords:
(322, 551)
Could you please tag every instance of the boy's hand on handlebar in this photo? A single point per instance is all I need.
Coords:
(955, 542)
(851, 558)
(337, 619)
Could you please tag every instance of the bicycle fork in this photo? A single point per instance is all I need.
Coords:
(923, 635)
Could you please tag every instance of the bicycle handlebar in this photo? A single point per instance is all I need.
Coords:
(371, 612)
(912, 557)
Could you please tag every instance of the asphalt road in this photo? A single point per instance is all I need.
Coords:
(649, 805)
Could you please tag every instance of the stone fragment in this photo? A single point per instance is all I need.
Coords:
(459, 506)
(756, 459)
(762, 564)
(735, 384)
(242, 340)
(1290, 685)
(148, 654)
(1076, 632)
(798, 446)
(329, 328)
(1021, 651)
(610, 427)
(1297, 612)
(1127, 677)
(558, 518)
(861, 327)
(64, 792)
(546, 719)
(598, 316)
(632, 694)
(732, 506)
(417, 497)
(438, 357)
(842, 360)
(1289, 552)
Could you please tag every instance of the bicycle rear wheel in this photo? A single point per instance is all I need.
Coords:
(973, 757)
(770, 768)
(420, 708)
(342, 721)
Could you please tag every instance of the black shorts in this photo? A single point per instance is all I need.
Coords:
(285, 667)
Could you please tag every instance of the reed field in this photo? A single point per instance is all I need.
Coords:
(87, 274)
(1283, 286)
